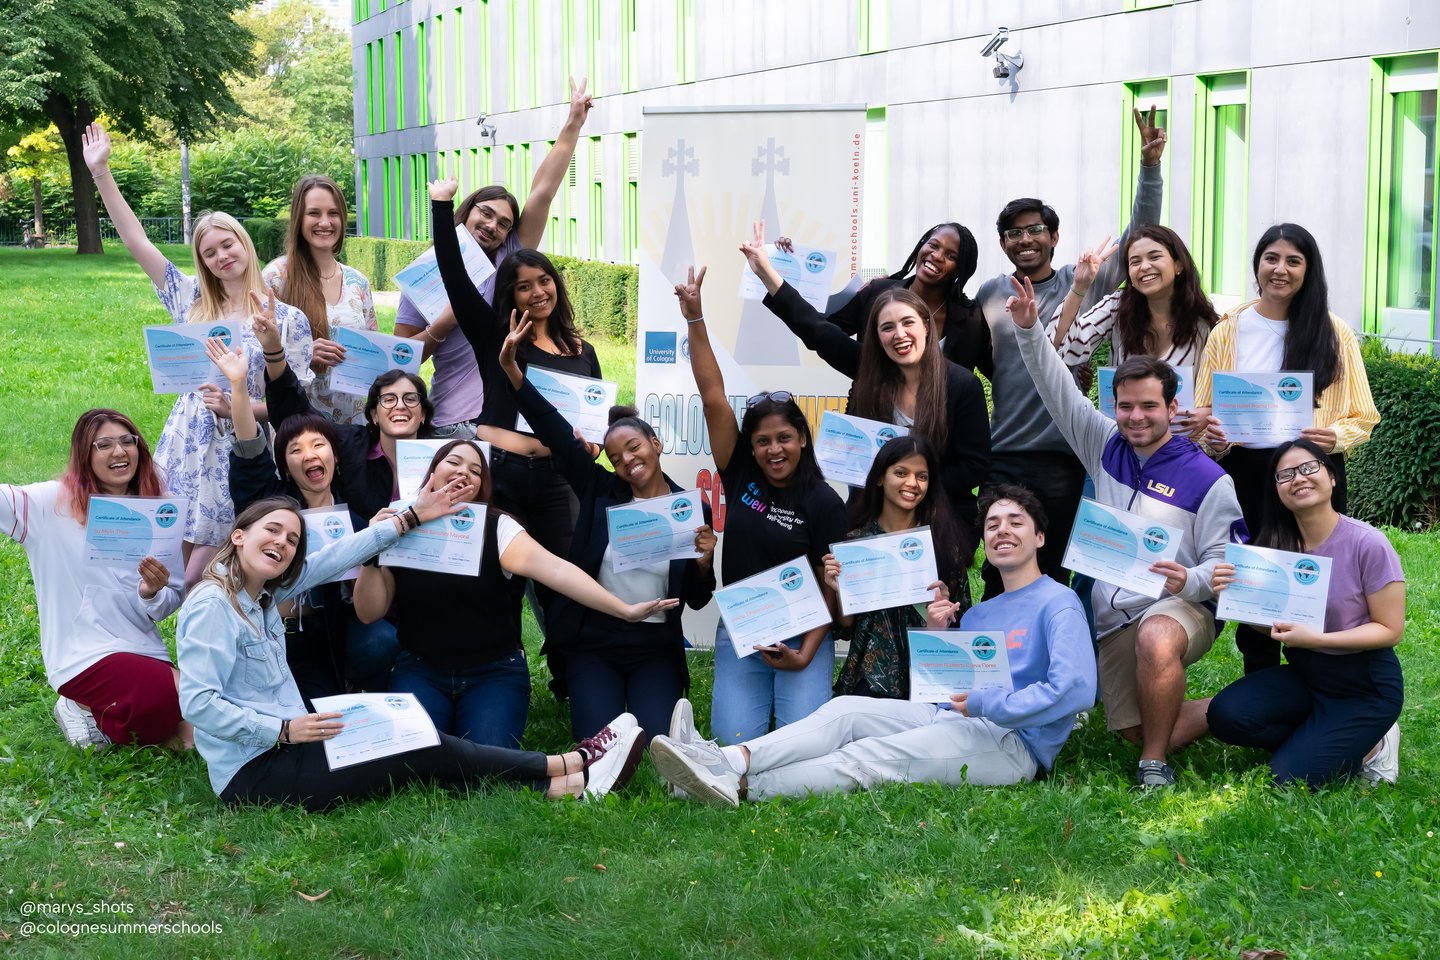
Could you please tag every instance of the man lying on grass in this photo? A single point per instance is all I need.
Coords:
(987, 736)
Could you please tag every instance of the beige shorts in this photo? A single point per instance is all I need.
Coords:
(1117, 657)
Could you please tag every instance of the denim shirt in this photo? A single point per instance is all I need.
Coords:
(234, 684)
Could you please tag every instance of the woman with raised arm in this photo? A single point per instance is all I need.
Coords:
(1331, 711)
(261, 744)
(610, 664)
(194, 449)
(102, 652)
(900, 377)
(1290, 327)
(463, 655)
(779, 508)
(330, 294)
(493, 216)
(898, 496)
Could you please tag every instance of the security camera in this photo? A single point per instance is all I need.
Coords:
(1002, 70)
(996, 41)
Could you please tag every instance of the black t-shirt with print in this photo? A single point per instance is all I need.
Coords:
(767, 525)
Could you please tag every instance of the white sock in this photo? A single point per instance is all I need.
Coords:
(736, 758)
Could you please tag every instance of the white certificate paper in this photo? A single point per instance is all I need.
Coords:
(845, 446)
(323, 526)
(1265, 409)
(376, 725)
(1275, 586)
(449, 544)
(773, 605)
(421, 280)
(176, 353)
(890, 570)
(1118, 547)
(810, 270)
(583, 401)
(1184, 392)
(122, 531)
(412, 460)
(943, 662)
(369, 354)
(660, 529)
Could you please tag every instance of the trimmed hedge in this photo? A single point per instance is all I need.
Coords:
(380, 259)
(268, 235)
(1394, 477)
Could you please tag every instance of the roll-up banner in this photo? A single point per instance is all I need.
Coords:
(707, 174)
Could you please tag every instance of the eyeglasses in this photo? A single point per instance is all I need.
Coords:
(389, 400)
(106, 444)
(1307, 469)
(779, 396)
(1018, 233)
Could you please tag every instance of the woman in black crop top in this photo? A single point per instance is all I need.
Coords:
(778, 508)
(460, 635)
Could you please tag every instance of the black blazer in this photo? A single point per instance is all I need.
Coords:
(966, 334)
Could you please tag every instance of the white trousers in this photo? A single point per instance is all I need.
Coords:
(854, 743)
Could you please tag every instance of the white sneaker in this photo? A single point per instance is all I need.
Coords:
(1384, 764)
(78, 724)
(611, 756)
(682, 730)
(698, 768)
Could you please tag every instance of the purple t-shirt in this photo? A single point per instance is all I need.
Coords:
(456, 388)
(1362, 563)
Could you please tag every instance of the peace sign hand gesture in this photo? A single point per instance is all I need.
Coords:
(1022, 307)
(1087, 267)
(580, 102)
(689, 294)
(262, 321)
(1152, 138)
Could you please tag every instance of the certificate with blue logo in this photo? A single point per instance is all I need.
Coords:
(375, 725)
(1118, 547)
(412, 462)
(176, 354)
(889, 570)
(369, 354)
(448, 544)
(1105, 391)
(1275, 586)
(810, 270)
(845, 446)
(582, 401)
(324, 526)
(122, 531)
(943, 662)
(421, 279)
(1265, 409)
(658, 530)
(773, 605)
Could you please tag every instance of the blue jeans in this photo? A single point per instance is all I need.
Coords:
(602, 684)
(370, 651)
(747, 691)
(487, 704)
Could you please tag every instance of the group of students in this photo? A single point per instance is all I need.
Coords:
(263, 631)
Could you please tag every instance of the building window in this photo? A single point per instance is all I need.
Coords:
(362, 201)
(874, 25)
(457, 29)
(482, 46)
(684, 41)
(420, 196)
(441, 71)
(874, 210)
(1400, 234)
(567, 47)
(371, 124)
(572, 207)
(553, 232)
(629, 48)
(532, 42)
(1218, 237)
(422, 78)
(594, 61)
(1142, 96)
(361, 10)
(380, 98)
(511, 175)
(526, 174)
(596, 214)
(513, 55)
(390, 190)
(399, 81)
(630, 227)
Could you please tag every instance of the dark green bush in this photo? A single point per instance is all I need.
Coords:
(269, 236)
(1394, 477)
(380, 259)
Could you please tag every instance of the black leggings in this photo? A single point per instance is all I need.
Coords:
(298, 774)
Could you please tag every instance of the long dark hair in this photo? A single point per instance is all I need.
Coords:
(372, 401)
(1278, 528)
(303, 286)
(1310, 342)
(493, 192)
(482, 492)
(879, 378)
(562, 319)
(1191, 313)
(807, 472)
(965, 263)
(954, 542)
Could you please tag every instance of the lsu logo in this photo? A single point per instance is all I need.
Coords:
(815, 261)
(1289, 389)
(333, 528)
(984, 648)
(594, 395)
(220, 333)
(463, 520)
(1160, 488)
(402, 353)
(884, 435)
(166, 515)
(1307, 571)
(681, 509)
(1155, 539)
(791, 578)
(911, 548)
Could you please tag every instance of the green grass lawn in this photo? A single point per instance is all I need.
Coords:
(1077, 866)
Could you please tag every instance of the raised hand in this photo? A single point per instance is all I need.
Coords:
(231, 363)
(1152, 138)
(95, 147)
(1087, 267)
(262, 321)
(755, 253)
(520, 328)
(580, 102)
(444, 189)
(439, 500)
(689, 295)
(1021, 306)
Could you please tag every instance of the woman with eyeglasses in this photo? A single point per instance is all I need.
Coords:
(900, 376)
(778, 508)
(1289, 327)
(462, 653)
(1331, 711)
(494, 218)
(102, 652)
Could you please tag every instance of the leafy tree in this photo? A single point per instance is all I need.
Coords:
(131, 59)
(302, 79)
(31, 158)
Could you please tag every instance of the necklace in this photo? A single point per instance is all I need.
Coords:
(331, 275)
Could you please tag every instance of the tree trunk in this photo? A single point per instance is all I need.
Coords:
(39, 206)
(71, 119)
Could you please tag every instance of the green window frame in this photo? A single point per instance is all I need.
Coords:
(684, 41)
(513, 56)
(874, 210)
(629, 47)
(526, 174)
(437, 35)
(594, 45)
(381, 101)
(567, 47)
(532, 44)
(389, 197)
(630, 205)
(399, 80)
(482, 47)
(595, 215)
(1141, 95)
(457, 30)
(874, 17)
(370, 99)
(1402, 184)
(362, 200)
(422, 79)
(510, 172)
(1147, 4)
(1219, 238)
(553, 232)
(360, 10)
(420, 196)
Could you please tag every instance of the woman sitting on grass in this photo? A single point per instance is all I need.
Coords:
(98, 640)
(251, 726)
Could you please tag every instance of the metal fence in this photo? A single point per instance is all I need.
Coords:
(60, 231)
